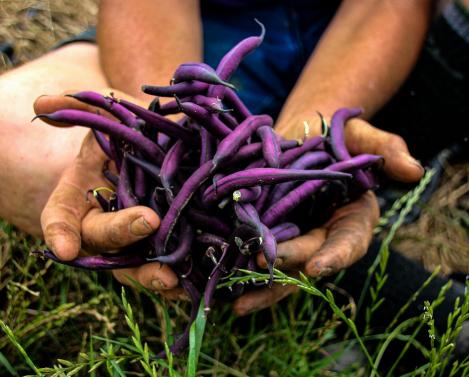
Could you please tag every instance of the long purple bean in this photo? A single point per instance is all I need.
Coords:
(205, 119)
(291, 155)
(307, 161)
(98, 262)
(247, 214)
(207, 142)
(109, 104)
(234, 102)
(231, 143)
(337, 141)
(159, 122)
(124, 190)
(198, 72)
(185, 238)
(209, 222)
(103, 142)
(270, 146)
(269, 249)
(100, 123)
(182, 89)
(230, 62)
(179, 203)
(285, 231)
(148, 167)
(264, 176)
(305, 190)
(171, 164)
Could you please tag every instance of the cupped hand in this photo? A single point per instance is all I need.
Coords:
(72, 223)
(345, 238)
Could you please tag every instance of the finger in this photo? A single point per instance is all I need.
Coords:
(349, 234)
(66, 207)
(113, 230)
(293, 254)
(154, 276)
(361, 137)
(262, 298)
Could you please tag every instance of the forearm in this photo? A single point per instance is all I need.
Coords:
(143, 41)
(364, 56)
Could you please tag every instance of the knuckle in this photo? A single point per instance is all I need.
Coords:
(395, 143)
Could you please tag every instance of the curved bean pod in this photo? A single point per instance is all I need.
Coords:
(231, 143)
(100, 123)
(264, 176)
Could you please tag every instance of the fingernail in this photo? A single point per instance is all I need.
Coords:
(326, 271)
(140, 227)
(414, 162)
(158, 284)
(278, 262)
(316, 269)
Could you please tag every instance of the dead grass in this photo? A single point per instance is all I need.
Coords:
(441, 235)
(34, 26)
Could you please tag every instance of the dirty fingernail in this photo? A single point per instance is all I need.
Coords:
(158, 284)
(140, 227)
(278, 262)
(414, 162)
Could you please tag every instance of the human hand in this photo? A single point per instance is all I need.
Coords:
(71, 223)
(346, 236)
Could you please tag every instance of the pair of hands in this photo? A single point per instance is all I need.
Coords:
(70, 223)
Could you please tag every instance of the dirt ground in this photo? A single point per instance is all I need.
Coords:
(440, 236)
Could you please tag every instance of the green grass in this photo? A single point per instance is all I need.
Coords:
(58, 321)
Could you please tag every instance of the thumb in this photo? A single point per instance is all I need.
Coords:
(62, 216)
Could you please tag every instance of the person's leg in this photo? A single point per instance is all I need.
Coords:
(33, 155)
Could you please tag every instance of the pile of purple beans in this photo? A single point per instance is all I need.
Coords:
(224, 184)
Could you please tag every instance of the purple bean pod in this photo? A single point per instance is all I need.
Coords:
(230, 62)
(103, 142)
(208, 222)
(100, 123)
(198, 72)
(177, 206)
(270, 146)
(264, 176)
(247, 214)
(124, 190)
(212, 240)
(337, 142)
(269, 249)
(307, 161)
(205, 119)
(290, 201)
(159, 122)
(169, 169)
(185, 238)
(148, 167)
(308, 145)
(97, 262)
(109, 175)
(228, 120)
(109, 104)
(231, 143)
(285, 231)
(234, 102)
(207, 143)
(182, 89)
